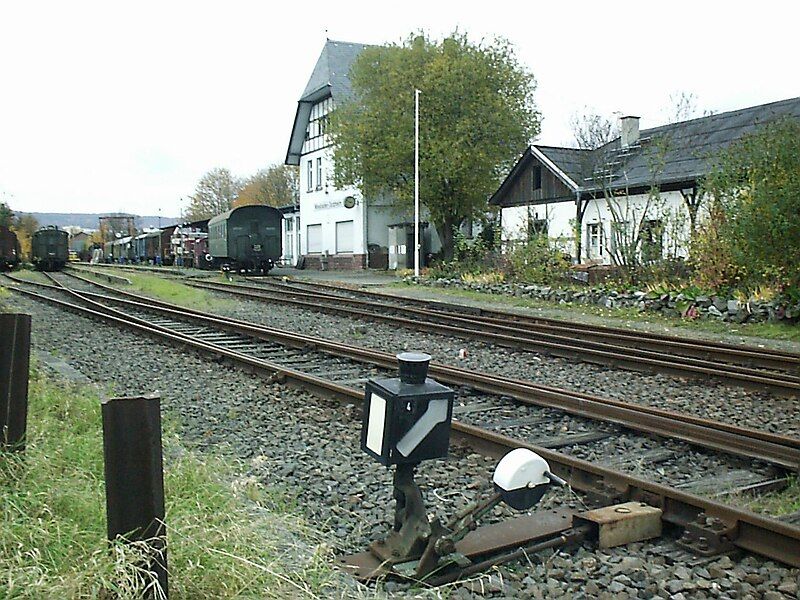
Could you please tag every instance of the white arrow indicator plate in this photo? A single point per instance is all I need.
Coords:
(377, 419)
(436, 413)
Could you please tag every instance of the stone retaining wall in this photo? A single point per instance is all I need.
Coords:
(671, 304)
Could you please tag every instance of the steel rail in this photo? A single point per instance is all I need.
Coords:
(754, 533)
(746, 356)
(753, 443)
(595, 352)
(764, 357)
(691, 350)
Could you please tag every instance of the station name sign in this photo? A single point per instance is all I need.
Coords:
(348, 202)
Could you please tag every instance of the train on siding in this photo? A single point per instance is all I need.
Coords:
(9, 249)
(50, 248)
(246, 239)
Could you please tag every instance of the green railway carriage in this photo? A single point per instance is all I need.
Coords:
(245, 239)
(50, 248)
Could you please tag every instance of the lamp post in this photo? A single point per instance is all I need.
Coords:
(416, 183)
(160, 253)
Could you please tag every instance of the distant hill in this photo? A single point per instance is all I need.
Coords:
(89, 220)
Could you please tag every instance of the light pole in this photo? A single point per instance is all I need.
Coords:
(160, 254)
(416, 183)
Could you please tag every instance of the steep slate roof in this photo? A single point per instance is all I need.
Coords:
(687, 147)
(683, 151)
(569, 160)
(330, 77)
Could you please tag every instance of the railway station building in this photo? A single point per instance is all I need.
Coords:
(339, 228)
(645, 184)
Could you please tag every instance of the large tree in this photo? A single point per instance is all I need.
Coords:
(215, 193)
(25, 226)
(755, 191)
(277, 185)
(476, 116)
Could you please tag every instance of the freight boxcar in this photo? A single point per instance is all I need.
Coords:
(50, 248)
(9, 249)
(246, 239)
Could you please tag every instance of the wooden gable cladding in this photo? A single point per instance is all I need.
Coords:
(533, 183)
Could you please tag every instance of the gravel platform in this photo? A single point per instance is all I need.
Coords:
(309, 448)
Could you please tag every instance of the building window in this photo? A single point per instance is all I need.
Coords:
(620, 234)
(317, 126)
(344, 237)
(290, 224)
(536, 227)
(652, 240)
(314, 238)
(537, 177)
(310, 175)
(319, 173)
(595, 234)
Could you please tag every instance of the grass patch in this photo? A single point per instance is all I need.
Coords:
(168, 290)
(783, 502)
(30, 275)
(772, 331)
(226, 537)
(775, 331)
(774, 504)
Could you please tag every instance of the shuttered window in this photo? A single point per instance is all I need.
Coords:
(314, 238)
(344, 237)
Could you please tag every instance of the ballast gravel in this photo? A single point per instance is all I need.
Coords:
(708, 399)
(308, 448)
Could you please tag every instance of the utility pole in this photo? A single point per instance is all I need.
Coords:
(160, 253)
(416, 183)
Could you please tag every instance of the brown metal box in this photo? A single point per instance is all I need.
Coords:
(623, 523)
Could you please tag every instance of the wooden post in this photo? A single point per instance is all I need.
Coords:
(15, 354)
(134, 475)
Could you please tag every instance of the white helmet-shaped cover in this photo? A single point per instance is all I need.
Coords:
(520, 468)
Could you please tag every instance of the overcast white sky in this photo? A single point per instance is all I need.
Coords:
(112, 106)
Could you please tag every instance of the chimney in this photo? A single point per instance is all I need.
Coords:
(629, 131)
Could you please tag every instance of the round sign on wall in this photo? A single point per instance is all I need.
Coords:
(349, 202)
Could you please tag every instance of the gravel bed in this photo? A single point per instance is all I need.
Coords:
(309, 448)
(669, 462)
(707, 399)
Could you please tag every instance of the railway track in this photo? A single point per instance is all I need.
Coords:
(682, 358)
(681, 346)
(754, 443)
(336, 370)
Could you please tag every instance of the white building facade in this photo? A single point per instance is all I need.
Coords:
(641, 191)
(338, 228)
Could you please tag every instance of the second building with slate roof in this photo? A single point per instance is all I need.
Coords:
(641, 189)
(338, 228)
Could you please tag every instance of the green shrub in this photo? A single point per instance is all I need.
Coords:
(753, 233)
(539, 260)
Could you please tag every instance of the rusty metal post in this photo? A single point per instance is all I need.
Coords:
(134, 475)
(15, 353)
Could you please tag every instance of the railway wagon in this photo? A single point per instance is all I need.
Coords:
(245, 239)
(50, 248)
(9, 249)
